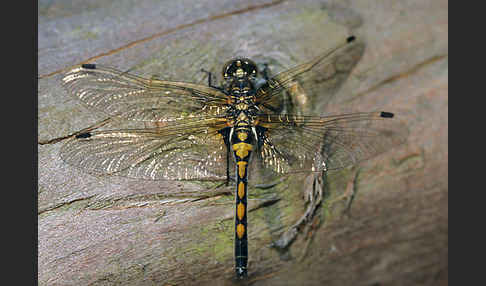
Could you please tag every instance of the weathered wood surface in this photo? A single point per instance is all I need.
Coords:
(115, 231)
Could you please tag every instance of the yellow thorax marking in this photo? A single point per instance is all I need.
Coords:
(242, 106)
(240, 230)
(242, 136)
(241, 188)
(241, 168)
(240, 211)
(242, 149)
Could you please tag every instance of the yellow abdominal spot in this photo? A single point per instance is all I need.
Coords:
(241, 189)
(240, 230)
(240, 211)
(241, 168)
(242, 149)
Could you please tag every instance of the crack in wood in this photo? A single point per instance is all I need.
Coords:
(64, 204)
(405, 74)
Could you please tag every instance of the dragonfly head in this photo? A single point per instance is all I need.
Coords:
(240, 68)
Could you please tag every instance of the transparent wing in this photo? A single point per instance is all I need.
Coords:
(318, 78)
(191, 150)
(310, 143)
(121, 94)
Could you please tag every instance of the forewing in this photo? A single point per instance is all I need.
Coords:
(192, 151)
(295, 143)
(318, 78)
(125, 95)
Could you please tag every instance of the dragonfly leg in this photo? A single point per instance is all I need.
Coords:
(227, 167)
(266, 72)
(210, 77)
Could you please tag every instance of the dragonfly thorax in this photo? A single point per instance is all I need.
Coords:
(242, 91)
(242, 107)
(239, 87)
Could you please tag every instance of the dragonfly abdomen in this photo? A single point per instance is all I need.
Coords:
(242, 147)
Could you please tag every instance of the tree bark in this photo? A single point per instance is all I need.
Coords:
(118, 231)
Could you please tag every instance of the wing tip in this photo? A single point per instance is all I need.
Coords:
(350, 39)
(83, 135)
(385, 114)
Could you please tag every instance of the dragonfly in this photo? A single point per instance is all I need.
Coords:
(224, 132)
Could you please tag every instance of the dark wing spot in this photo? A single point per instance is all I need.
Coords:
(83, 135)
(386, 114)
(89, 66)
